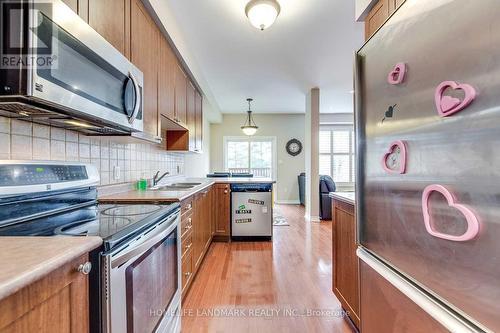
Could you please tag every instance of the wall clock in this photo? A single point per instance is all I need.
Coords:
(294, 147)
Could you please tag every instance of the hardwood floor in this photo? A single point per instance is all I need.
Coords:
(268, 287)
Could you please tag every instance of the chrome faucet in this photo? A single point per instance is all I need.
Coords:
(157, 178)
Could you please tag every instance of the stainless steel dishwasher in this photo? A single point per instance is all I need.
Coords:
(251, 211)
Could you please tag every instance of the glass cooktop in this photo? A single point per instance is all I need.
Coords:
(112, 219)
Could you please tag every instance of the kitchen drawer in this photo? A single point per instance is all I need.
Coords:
(186, 242)
(187, 269)
(186, 223)
(222, 186)
(187, 206)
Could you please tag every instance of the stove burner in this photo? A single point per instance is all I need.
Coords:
(131, 210)
(103, 227)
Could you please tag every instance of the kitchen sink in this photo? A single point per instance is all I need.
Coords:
(186, 184)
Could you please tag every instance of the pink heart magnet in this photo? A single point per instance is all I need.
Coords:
(472, 221)
(396, 154)
(397, 76)
(447, 105)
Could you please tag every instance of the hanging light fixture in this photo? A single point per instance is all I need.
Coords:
(262, 13)
(249, 127)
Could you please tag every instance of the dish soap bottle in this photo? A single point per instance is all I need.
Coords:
(142, 184)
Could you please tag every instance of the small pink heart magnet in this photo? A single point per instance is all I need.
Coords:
(447, 105)
(472, 221)
(394, 160)
(397, 76)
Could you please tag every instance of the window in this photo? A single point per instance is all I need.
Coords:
(336, 153)
(253, 155)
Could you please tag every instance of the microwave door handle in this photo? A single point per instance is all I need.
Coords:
(137, 98)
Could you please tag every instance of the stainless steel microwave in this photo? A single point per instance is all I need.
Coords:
(55, 69)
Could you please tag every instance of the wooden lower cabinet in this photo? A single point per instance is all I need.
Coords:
(56, 303)
(222, 211)
(386, 309)
(187, 271)
(196, 226)
(345, 260)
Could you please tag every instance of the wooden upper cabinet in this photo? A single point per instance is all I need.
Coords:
(144, 54)
(166, 80)
(111, 19)
(180, 95)
(81, 7)
(199, 122)
(377, 16)
(191, 115)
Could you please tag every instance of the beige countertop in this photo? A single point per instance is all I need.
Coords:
(176, 196)
(27, 259)
(347, 197)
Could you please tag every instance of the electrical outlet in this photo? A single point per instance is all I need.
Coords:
(116, 172)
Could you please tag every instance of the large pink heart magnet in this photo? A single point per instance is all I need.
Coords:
(472, 221)
(397, 75)
(394, 160)
(447, 105)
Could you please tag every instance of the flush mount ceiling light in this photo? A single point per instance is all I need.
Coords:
(262, 13)
(249, 128)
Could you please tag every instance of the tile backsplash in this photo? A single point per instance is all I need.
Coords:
(22, 140)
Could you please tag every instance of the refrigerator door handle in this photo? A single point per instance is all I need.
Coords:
(440, 314)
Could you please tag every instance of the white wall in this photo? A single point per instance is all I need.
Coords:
(284, 127)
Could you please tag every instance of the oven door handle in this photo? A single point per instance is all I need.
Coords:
(160, 232)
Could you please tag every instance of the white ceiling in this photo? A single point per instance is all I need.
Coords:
(310, 45)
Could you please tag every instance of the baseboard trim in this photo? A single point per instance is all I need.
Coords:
(287, 202)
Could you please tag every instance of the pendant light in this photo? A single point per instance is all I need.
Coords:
(262, 13)
(249, 127)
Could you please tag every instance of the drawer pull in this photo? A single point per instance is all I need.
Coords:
(225, 192)
(85, 268)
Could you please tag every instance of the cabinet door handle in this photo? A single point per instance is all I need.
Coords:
(188, 246)
(225, 192)
(85, 268)
(187, 274)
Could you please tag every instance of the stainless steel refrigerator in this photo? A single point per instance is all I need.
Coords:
(428, 189)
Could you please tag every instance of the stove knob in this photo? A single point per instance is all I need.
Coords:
(85, 268)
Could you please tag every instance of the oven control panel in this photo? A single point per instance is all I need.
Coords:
(37, 174)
